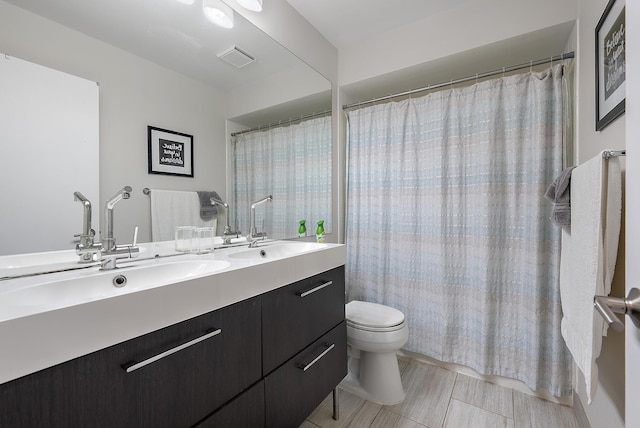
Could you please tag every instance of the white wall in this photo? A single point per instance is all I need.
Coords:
(471, 25)
(134, 93)
(607, 408)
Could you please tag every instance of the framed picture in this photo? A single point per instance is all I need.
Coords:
(170, 152)
(610, 64)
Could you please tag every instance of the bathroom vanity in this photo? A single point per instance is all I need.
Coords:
(260, 342)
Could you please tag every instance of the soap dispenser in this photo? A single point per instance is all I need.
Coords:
(320, 231)
(302, 230)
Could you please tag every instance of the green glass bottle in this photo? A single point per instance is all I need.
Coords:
(320, 231)
(302, 230)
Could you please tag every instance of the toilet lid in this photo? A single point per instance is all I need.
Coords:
(374, 315)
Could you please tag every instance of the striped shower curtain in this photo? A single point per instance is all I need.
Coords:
(292, 163)
(446, 221)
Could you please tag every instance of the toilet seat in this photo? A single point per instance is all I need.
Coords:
(373, 317)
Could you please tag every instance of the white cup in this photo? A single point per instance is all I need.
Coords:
(204, 238)
(184, 238)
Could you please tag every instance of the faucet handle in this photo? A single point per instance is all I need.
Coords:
(135, 236)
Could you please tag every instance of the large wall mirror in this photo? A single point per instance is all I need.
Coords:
(275, 88)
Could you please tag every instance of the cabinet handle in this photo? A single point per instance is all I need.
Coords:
(135, 366)
(304, 368)
(314, 289)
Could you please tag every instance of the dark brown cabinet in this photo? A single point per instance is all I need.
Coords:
(304, 346)
(296, 388)
(191, 377)
(238, 366)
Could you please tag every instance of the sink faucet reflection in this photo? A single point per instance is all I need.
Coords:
(253, 235)
(87, 249)
(110, 251)
(228, 233)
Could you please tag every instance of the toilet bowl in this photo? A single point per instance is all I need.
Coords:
(374, 334)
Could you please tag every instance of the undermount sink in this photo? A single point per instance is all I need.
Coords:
(54, 292)
(276, 251)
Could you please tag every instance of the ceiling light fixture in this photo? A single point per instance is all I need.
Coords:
(186, 1)
(218, 13)
(254, 5)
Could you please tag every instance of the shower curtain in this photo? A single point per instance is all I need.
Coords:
(446, 221)
(292, 163)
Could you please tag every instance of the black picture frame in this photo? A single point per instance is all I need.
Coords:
(610, 64)
(170, 152)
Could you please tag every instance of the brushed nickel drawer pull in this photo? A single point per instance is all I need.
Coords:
(316, 359)
(136, 366)
(313, 290)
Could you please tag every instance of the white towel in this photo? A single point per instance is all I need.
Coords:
(170, 208)
(588, 258)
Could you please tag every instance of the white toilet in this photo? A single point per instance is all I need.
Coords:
(374, 333)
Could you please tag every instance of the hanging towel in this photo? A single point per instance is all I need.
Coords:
(559, 192)
(207, 209)
(170, 208)
(588, 258)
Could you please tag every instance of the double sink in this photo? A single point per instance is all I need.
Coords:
(30, 292)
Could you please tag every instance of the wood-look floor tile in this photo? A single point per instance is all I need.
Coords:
(485, 395)
(349, 406)
(428, 391)
(533, 412)
(462, 414)
(403, 363)
(307, 424)
(385, 419)
(366, 415)
(407, 423)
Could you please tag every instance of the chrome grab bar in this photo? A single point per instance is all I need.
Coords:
(328, 346)
(630, 305)
(135, 366)
(314, 289)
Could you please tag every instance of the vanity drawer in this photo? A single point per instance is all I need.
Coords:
(223, 358)
(244, 411)
(296, 315)
(295, 389)
(192, 370)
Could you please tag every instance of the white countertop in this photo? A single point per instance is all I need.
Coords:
(40, 340)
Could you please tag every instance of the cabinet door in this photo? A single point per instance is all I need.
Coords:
(177, 389)
(296, 315)
(300, 385)
(244, 411)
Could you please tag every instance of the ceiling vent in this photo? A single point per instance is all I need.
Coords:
(236, 57)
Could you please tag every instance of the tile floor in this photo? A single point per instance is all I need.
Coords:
(440, 398)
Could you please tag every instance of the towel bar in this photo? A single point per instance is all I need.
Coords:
(630, 305)
(613, 153)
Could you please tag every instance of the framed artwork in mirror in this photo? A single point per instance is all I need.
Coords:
(170, 152)
(610, 64)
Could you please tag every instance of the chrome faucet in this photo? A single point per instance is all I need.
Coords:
(110, 251)
(253, 237)
(228, 233)
(87, 249)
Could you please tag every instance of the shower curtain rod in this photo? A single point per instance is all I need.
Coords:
(282, 122)
(530, 64)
